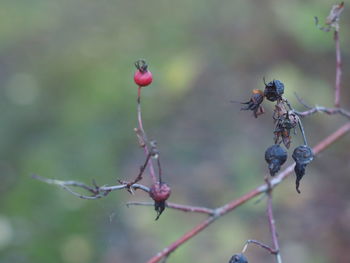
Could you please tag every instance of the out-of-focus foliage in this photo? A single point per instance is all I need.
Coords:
(68, 109)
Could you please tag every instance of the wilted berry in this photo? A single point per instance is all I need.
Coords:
(159, 192)
(302, 156)
(274, 90)
(238, 258)
(142, 76)
(254, 103)
(275, 156)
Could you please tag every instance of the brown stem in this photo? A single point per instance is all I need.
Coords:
(338, 72)
(183, 208)
(145, 148)
(273, 227)
(329, 111)
(322, 145)
(262, 245)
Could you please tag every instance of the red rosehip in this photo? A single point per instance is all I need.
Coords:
(142, 77)
(160, 192)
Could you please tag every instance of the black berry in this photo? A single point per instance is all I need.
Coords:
(302, 156)
(274, 90)
(238, 258)
(275, 156)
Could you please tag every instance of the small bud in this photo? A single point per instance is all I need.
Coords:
(159, 192)
(302, 156)
(274, 90)
(238, 258)
(275, 156)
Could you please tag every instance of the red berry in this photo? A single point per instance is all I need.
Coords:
(160, 192)
(143, 78)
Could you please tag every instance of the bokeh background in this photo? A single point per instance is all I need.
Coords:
(68, 109)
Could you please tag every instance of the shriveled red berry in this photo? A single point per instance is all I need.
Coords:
(142, 77)
(160, 192)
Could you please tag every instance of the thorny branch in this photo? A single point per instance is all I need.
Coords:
(95, 191)
(221, 211)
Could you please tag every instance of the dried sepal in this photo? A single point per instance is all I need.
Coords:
(285, 122)
(254, 104)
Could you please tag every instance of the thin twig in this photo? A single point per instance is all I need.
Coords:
(302, 131)
(96, 192)
(183, 208)
(219, 212)
(329, 111)
(262, 245)
(338, 67)
(273, 227)
(140, 128)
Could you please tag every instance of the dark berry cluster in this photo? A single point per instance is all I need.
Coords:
(285, 120)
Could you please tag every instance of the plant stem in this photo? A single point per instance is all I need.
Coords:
(273, 227)
(338, 72)
(322, 145)
(140, 126)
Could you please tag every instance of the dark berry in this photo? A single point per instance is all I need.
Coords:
(142, 76)
(274, 90)
(302, 156)
(238, 258)
(275, 156)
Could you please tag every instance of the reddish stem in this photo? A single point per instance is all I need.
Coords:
(322, 145)
(338, 72)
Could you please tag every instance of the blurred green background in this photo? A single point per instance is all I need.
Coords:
(68, 109)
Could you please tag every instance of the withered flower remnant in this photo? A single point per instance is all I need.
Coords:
(254, 104)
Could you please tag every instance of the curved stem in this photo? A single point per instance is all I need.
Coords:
(144, 137)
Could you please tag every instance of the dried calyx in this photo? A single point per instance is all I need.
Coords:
(159, 192)
(273, 90)
(302, 156)
(141, 65)
(254, 103)
(238, 258)
(275, 156)
(284, 124)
